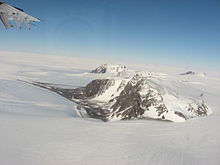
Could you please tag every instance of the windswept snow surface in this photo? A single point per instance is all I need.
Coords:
(40, 127)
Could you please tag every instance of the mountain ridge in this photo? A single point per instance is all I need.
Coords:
(136, 97)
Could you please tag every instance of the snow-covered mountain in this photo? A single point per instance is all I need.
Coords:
(137, 97)
(113, 69)
(193, 73)
(188, 73)
(141, 97)
(39, 126)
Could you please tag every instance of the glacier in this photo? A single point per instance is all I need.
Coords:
(40, 127)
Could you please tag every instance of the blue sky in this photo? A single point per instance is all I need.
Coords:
(173, 32)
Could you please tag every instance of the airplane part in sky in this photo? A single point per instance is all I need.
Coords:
(9, 13)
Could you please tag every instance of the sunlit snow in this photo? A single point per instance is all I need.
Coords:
(38, 126)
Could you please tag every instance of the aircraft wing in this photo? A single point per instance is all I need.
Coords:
(9, 13)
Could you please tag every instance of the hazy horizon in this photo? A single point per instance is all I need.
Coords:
(184, 33)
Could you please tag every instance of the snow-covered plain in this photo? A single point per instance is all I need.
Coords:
(38, 126)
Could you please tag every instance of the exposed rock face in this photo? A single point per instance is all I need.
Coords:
(114, 69)
(137, 98)
(133, 98)
(127, 104)
(95, 87)
(100, 69)
(197, 108)
(191, 73)
(188, 73)
(131, 104)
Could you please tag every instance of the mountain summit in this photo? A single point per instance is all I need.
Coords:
(113, 69)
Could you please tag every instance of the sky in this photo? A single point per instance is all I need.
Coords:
(171, 32)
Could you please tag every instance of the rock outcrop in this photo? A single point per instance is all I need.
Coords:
(138, 97)
(113, 69)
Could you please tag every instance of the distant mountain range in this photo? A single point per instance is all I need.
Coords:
(193, 73)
